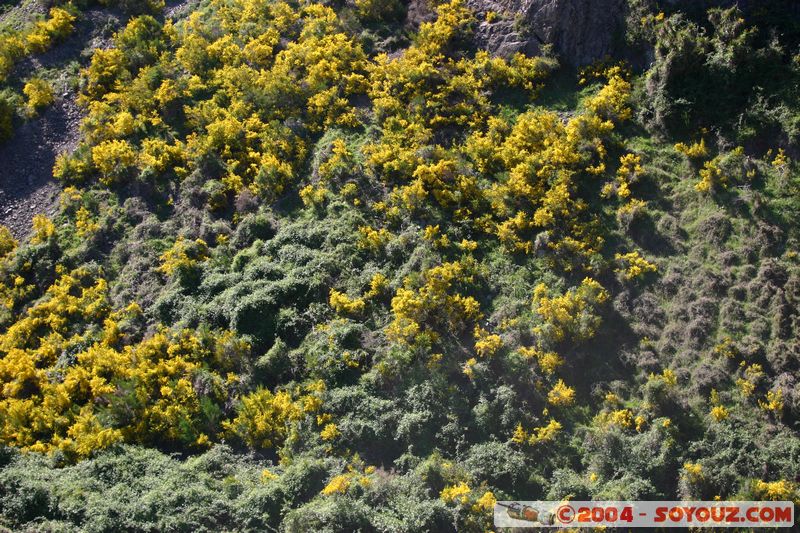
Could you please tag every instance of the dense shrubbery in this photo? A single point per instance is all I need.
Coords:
(35, 39)
(395, 284)
(6, 119)
(27, 34)
(722, 73)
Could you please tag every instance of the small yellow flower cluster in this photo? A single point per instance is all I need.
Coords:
(634, 265)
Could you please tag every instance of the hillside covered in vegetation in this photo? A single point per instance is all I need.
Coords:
(354, 266)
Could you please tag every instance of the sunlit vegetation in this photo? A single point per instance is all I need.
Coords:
(111, 387)
(361, 275)
(25, 41)
(35, 39)
(39, 94)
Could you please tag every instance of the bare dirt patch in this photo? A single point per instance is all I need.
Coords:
(27, 186)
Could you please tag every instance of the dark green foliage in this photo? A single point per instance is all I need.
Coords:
(137, 7)
(502, 466)
(401, 421)
(130, 488)
(6, 118)
(646, 462)
(367, 422)
(705, 77)
(141, 41)
(255, 314)
(254, 227)
(275, 365)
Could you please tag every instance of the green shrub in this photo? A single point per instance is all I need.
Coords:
(704, 78)
(6, 119)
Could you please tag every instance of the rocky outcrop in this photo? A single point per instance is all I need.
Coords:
(580, 31)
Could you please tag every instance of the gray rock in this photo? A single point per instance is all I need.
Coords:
(580, 31)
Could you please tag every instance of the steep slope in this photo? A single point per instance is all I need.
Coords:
(27, 187)
(364, 266)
